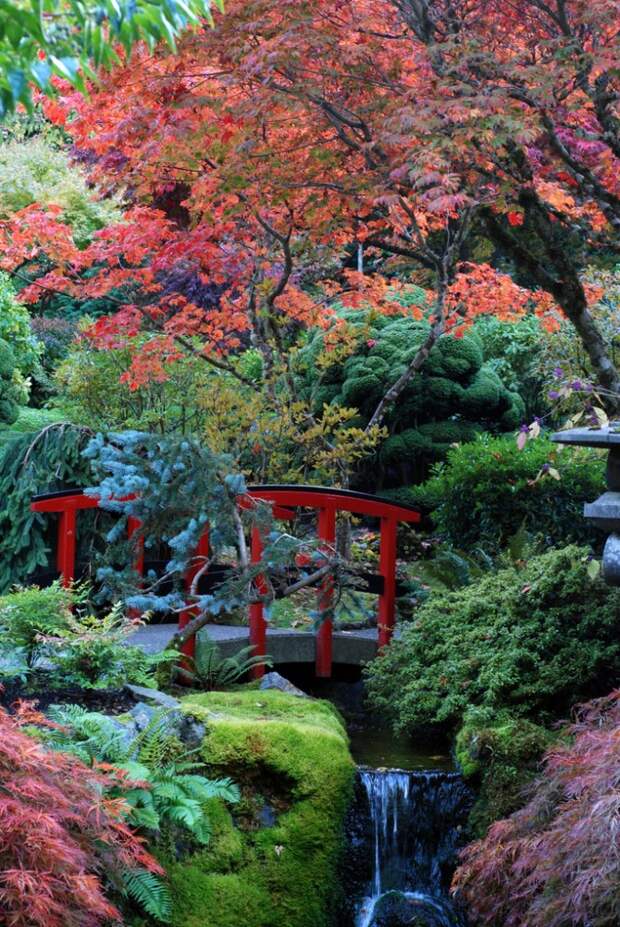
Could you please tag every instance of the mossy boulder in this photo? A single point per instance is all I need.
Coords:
(272, 858)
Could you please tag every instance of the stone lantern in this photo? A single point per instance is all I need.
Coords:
(605, 511)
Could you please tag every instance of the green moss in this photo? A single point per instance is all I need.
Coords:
(291, 754)
(502, 755)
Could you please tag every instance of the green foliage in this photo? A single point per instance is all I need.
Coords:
(31, 464)
(55, 336)
(29, 421)
(213, 671)
(86, 650)
(487, 489)
(13, 389)
(33, 171)
(92, 651)
(28, 614)
(292, 753)
(67, 41)
(16, 330)
(502, 754)
(531, 640)
(90, 390)
(449, 401)
(163, 782)
(150, 892)
(514, 350)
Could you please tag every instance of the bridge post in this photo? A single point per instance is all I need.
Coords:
(387, 568)
(327, 533)
(188, 649)
(258, 626)
(65, 554)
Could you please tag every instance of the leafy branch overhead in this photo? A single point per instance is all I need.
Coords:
(42, 39)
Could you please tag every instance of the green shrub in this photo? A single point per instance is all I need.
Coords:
(16, 329)
(90, 389)
(450, 400)
(487, 489)
(13, 389)
(532, 641)
(86, 650)
(514, 350)
(31, 464)
(33, 171)
(27, 614)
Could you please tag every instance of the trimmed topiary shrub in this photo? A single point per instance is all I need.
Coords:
(451, 399)
(274, 861)
(488, 488)
(532, 641)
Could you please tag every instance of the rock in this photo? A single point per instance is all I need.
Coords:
(144, 714)
(191, 731)
(143, 694)
(275, 681)
(398, 909)
(128, 731)
(267, 816)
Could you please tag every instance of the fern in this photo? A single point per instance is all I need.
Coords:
(212, 671)
(150, 892)
(164, 788)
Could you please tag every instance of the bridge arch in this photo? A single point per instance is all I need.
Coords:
(285, 500)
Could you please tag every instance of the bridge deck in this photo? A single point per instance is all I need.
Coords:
(284, 645)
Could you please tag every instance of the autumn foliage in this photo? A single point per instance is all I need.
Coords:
(392, 133)
(556, 861)
(61, 841)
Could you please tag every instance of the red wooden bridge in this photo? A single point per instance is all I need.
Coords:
(285, 500)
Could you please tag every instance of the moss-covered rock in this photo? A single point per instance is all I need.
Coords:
(272, 858)
(501, 754)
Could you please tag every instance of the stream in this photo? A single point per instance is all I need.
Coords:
(405, 826)
(415, 829)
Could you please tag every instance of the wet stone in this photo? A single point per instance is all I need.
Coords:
(275, 681)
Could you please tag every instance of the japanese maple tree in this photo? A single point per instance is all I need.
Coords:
(556, 861)
(367, 132)
(63, 843)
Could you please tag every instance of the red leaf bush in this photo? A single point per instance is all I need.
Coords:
(556, 862)
(61, 840)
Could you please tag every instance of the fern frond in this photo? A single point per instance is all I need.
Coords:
(151, 893)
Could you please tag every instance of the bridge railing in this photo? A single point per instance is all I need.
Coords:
(285, 500)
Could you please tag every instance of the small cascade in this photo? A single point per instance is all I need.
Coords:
(416, 820)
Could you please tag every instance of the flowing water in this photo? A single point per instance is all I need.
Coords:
(416, 819)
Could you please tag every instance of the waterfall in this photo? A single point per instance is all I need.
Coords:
(416, 820)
